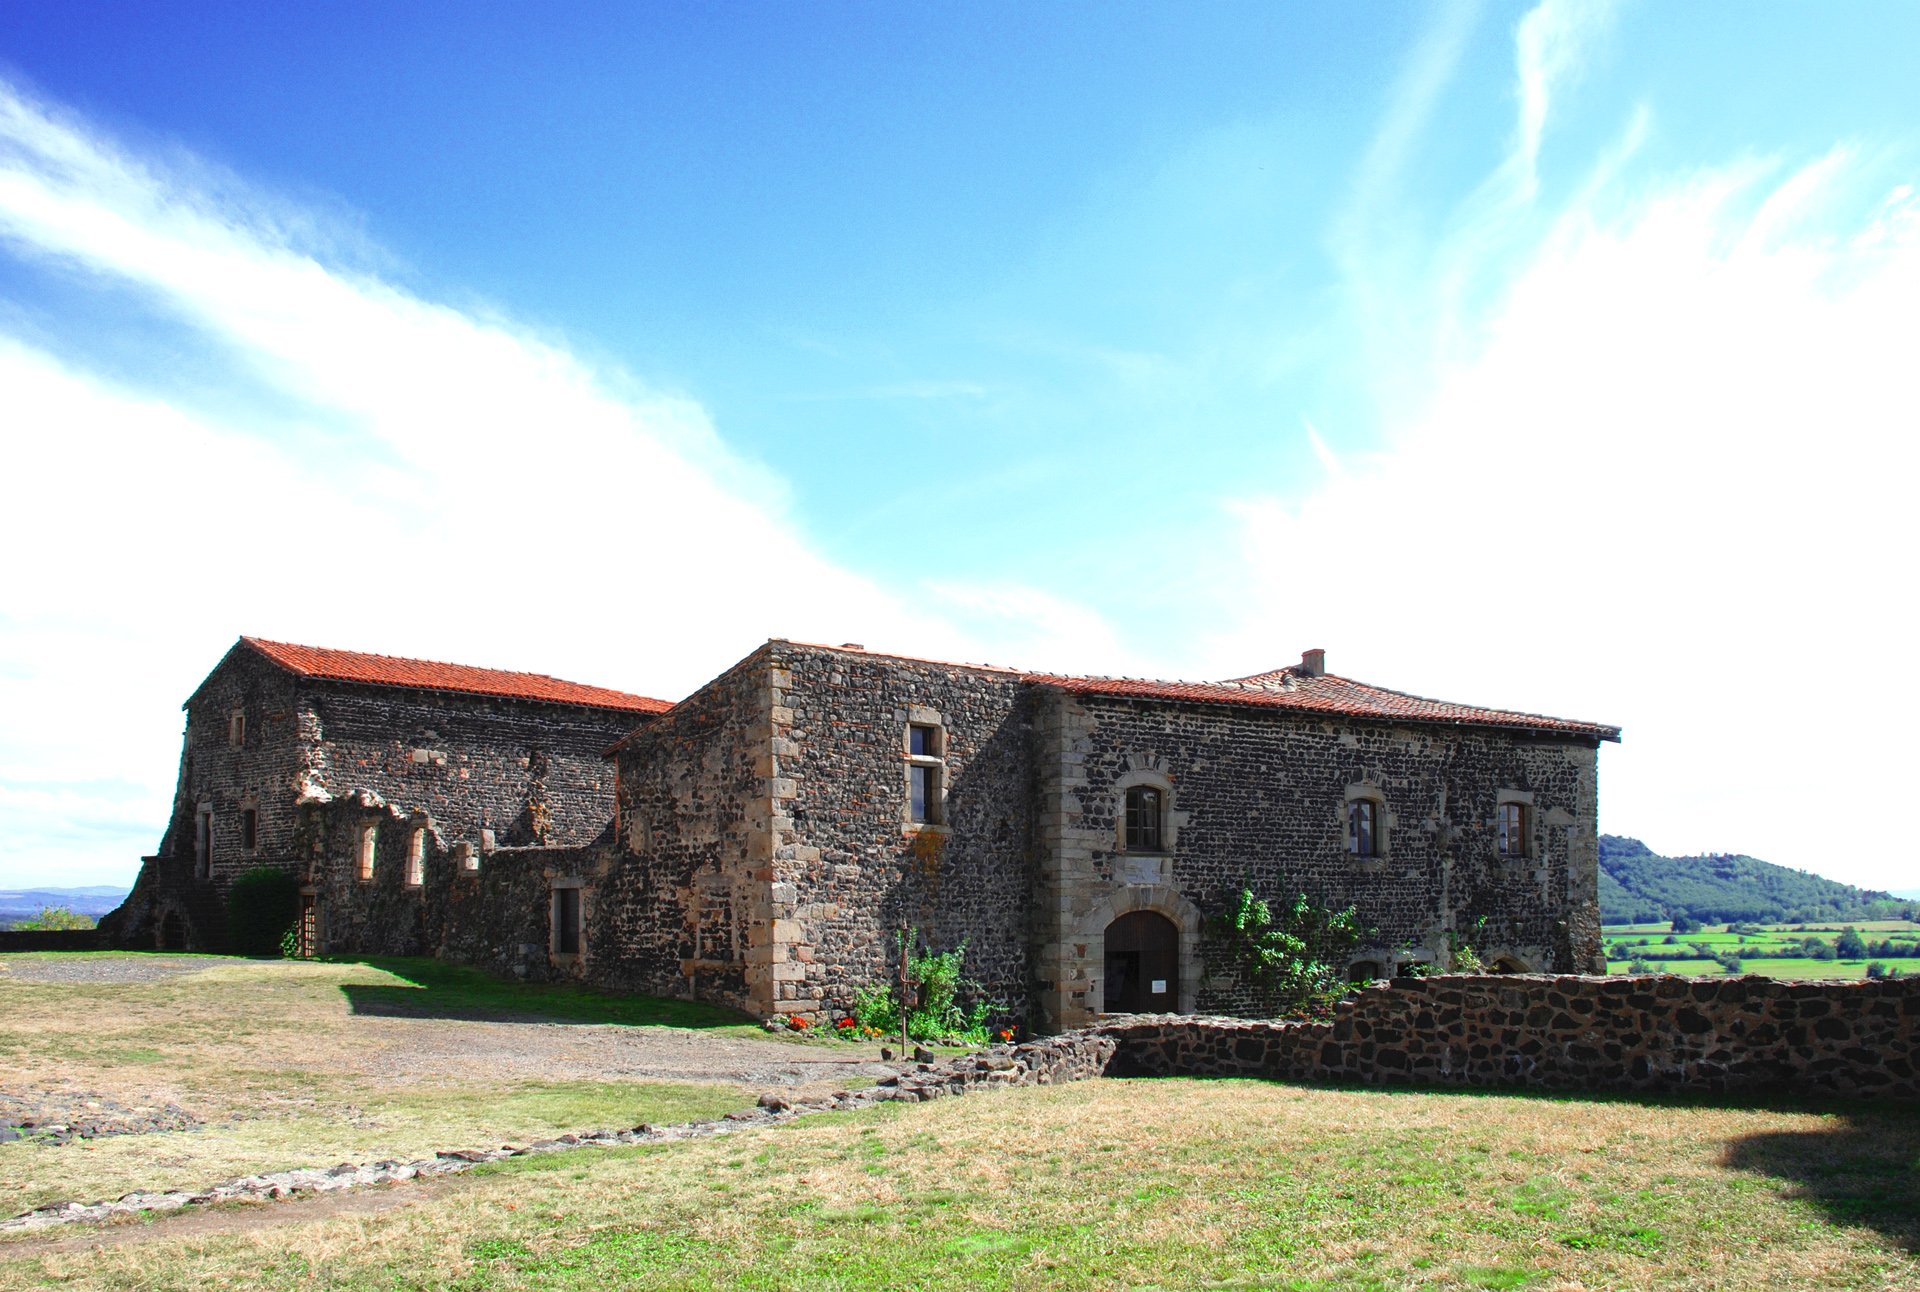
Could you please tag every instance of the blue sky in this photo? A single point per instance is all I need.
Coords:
(1544, 356)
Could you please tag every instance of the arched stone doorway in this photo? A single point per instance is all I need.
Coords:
(1143, 964)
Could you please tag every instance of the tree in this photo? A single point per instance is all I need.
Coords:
(53, 919)
(1850, 945)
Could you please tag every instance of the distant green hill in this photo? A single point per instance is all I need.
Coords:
(1639, 886)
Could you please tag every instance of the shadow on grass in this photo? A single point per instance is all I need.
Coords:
(1863, 1169)
(432, 989)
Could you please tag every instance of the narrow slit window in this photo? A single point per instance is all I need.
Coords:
(203, 843)
(566, 921)
(249, 828)
(369, 842)
(1144, 814)
(237, 728)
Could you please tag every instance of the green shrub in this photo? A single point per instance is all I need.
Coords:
(54, 919)
(1298, 954)
(937, 1014)
(261, 906)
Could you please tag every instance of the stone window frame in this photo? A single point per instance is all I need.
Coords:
(919, 716)
(237, 729)
(416, 869)
(1505, 801)
(556, 885)
(1412, 956)
(367, 854)
(466, 858)
(250, 824)
(1380, 960)
(1146, 776)
(1383, 823)
(203, 840)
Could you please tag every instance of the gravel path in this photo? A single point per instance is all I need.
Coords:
(103, 969)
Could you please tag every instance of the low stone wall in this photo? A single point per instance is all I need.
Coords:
(1659, 1033)
(50, 940)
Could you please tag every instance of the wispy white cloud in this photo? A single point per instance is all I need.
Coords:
(1661, 479)
(1552, 44)
(432, 481)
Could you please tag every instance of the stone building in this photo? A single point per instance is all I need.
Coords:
(768, 835)
(292, 754)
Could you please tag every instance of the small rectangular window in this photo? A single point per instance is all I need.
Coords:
(923, 742)
(923, 785)
(1513, 829)
(369, 842)
(237, 728)
(203, 843)
(566, 921)
(1143, 819)
(417, 857)
(1362, 837)
(249, 828)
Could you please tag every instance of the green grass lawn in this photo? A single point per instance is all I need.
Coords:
(1124, 1184)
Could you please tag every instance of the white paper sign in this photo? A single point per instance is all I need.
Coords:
(1159, 986)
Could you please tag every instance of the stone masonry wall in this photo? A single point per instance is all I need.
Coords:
(494, 915)
(479, 768)
(1576, 1033)
(1257, 799)
(533, 774)
(683, 907)
(850, 868)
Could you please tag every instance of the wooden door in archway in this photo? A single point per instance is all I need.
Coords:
(1143, 964)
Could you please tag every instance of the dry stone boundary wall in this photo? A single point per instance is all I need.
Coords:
(1663, 1033)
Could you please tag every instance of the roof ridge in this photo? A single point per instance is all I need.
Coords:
(408, 659)
(1327, 693)
(370, 668)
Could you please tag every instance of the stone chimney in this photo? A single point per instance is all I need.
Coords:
(1313, 662)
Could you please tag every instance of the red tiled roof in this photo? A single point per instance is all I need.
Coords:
(1295, 688)
(426, 675)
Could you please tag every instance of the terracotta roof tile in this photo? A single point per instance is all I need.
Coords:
(426, 675)
(1295, 688)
